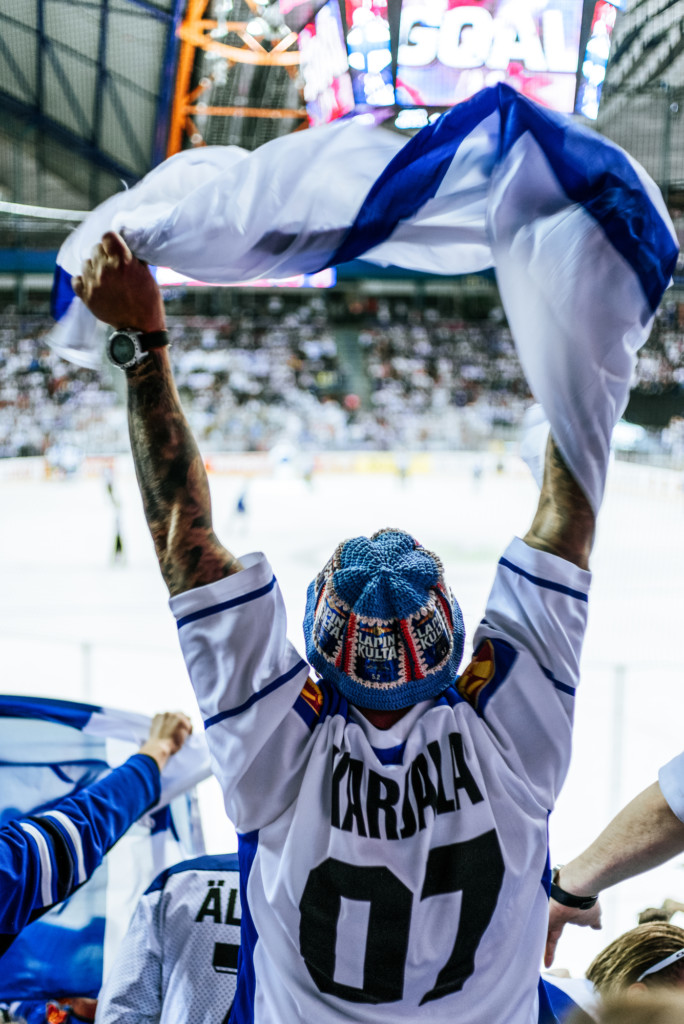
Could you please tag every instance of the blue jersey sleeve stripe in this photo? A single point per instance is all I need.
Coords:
(280, 681)
(62, 855)
(76, 842)
(214, 609)
(43, 863)
(539, 581)
(556, 682)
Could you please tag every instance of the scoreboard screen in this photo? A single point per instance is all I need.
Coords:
(448, 51)
(416, 58)
(369, 52)
(328, 89)
(596, 53)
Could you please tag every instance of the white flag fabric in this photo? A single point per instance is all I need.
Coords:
(577, 232)
(53, 749)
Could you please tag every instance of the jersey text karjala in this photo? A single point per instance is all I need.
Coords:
(375, 805)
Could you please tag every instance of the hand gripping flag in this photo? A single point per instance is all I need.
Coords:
(578, 234)
(51, 749)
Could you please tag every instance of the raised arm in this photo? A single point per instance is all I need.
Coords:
(46, 856)
(564, 522)
(121, 291)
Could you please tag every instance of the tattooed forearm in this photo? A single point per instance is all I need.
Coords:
(172, 480)
(564, 522)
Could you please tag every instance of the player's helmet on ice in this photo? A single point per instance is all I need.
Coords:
(381, 623)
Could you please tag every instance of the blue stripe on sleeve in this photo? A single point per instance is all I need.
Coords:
(214, 609)
(556, 682)
(61, 853)
(280, 681)
(539, 581)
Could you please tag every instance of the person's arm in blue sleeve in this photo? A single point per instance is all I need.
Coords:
(44, 858)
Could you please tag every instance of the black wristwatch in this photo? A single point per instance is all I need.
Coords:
(569, 899)
(127, 348)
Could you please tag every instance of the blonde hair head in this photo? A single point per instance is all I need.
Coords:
(625, 959)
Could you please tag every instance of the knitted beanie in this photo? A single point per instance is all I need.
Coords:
(381, 623)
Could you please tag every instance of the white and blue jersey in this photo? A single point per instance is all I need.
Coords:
(179, 959)
(400, 874)
(671, 782)
(45, 857)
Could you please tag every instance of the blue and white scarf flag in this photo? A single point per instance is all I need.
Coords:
(50, 749)
(578, 233)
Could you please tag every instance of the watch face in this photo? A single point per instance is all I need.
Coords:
(121, 349)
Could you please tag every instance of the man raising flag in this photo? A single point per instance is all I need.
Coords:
(391, 813)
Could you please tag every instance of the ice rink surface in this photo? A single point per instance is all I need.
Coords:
(77, 626)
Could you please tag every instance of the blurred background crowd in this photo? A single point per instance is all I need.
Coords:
(320, 372)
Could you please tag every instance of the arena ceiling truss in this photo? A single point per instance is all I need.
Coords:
(94, 93)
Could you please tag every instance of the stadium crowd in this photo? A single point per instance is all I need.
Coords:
(436, 367)
(291, 380)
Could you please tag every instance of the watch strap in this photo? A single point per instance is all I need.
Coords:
(153, 339)
(569, 899)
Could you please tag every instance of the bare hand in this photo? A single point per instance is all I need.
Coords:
(559, 916)
(664, 913)
(118, 288)
(168, 733)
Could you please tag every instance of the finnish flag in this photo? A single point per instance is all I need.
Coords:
(577, 232)
(51, 749)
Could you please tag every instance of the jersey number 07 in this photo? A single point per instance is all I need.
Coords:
(474, 867)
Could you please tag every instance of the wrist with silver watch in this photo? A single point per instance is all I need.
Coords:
(127, 348)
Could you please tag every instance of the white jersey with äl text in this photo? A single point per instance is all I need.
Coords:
(400, 874)
(178, 961)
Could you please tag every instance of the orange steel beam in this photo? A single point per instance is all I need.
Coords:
(186, 60)
(191, 129)
(195, 34)
(251, 43)
(245, 112)
(196, 93)
(276, 58)
(208, 24)
(285, 43)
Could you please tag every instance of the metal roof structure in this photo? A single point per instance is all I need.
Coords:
(85, 94)
(91, 91)
(642, 106)
(94, 93)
